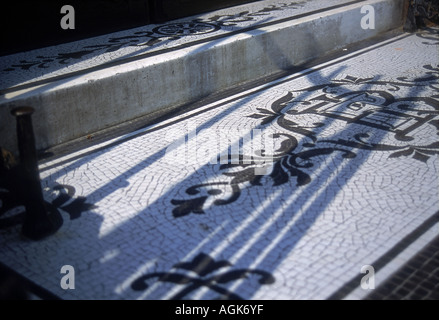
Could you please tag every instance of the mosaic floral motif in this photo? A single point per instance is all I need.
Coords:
(193, 27)
(167, 32)
(245, 16)
(368, 106)
(202, 271)
(431, 35)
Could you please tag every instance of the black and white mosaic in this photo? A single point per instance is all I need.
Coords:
(354, 171)
(369, 106)
(49, 64)
(206, 276)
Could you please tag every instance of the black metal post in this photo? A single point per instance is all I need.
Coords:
(37, 223)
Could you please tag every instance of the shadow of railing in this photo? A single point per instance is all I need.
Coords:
(149, 40)
(253, 222)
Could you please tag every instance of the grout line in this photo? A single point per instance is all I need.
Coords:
(179, 47)
(416, 237)
(72, 156)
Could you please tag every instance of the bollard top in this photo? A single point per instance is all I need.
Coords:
(22, 111)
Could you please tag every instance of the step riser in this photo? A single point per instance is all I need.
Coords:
(72, 108)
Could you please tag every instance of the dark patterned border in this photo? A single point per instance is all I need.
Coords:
(167, 32)
(206, 270)
(365, 102)
(354, 283)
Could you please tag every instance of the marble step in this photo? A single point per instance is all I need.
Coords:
(87, 86)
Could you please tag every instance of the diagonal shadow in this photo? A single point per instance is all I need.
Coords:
(258, 232)
(146, 38)
(302, 224)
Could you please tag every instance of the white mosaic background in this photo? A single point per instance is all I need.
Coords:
(46, 63)
(312, 239)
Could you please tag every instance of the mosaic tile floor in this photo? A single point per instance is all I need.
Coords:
(48, 64)
(350, 182)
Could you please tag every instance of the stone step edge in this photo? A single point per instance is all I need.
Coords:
(75, 107)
